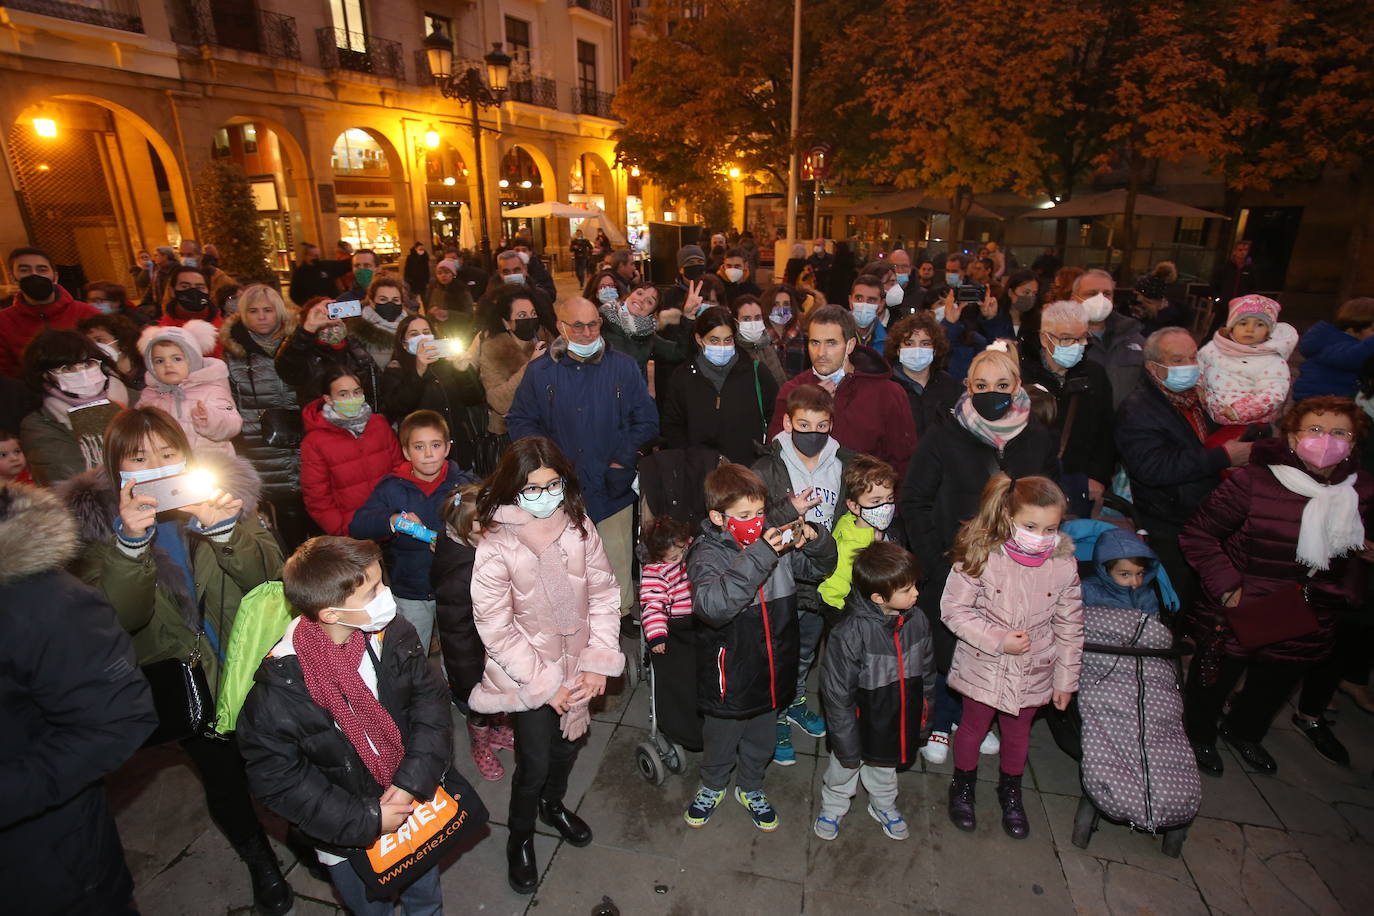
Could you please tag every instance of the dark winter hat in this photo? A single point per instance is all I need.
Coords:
(689, 254)
(1151, 287)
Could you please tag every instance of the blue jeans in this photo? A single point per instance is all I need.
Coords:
(423, 898)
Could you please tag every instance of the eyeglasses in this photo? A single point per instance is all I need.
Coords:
(553, 488)
(583, 327)
(74, 368)
(1344, 435)
(1067, 341)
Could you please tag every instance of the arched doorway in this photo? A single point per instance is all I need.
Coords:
(365, 168)
(446, 188)
(274, 167)
(521, 182)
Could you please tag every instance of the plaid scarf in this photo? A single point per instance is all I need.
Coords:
(1188, 403)
(996, 433)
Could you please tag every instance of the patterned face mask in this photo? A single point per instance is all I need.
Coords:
(331, 335)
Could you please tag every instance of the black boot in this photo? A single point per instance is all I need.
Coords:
(572, 827)
(271, 894)
(961, 793)
(521, 868)
(1013, 814)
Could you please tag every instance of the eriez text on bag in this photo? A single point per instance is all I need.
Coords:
(428, 821)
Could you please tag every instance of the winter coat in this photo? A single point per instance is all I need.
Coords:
(52, 450)
(256, 387)
(1044, 601)
(453, 393)
(872, 415)
(416, 271)
(1171, 471)
(878, 683)
(407, 559)
(375, 333)
(340, 471)
(302, 767)
(1250, 380)
(302, 360)
(1121, 351)
(745, 601)
(73, 708)
(150, 592)
(933, 404)
(1246, 536)
(670, 344)
(731, 420)
(1090, 449)
(451, 577)
(526, 660)
(782, 462)
(501, 362)
(765, 354)
(964, 344)
(208, 385)
(598, 412)
(1331, 362)
(1100, 590)
(671, 481)
(320, 278)
(849, 540)
(21, 322)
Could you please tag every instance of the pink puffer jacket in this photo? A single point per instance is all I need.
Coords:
(1045, 601)
(526, 660)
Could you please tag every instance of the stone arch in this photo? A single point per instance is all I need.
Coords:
(374, 204)
(296, 220)
(548, 175)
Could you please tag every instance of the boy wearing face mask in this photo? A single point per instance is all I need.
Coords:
(870, 505)
(734, 273)
(39, 305)
(348, 681)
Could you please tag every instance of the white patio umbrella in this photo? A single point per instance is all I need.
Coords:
(467, 238)
(549, 208)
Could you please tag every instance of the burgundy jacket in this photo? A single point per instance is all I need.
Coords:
(1245, 535)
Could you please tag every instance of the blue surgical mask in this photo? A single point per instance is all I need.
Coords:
(952, 279)
(513, 278)
(541, 506)
(902, 279)
(1181, 378)
(865, 313)
(585, 350)
(718, 355)
(413, 344)
(151, 474)
(916, 359)
(837, 376)
(1069, 356)
(607, 295)
(105, 307)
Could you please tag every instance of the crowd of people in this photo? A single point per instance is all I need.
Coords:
(249, 519)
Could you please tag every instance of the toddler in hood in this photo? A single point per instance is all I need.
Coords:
(1245, 377)
(1124, 570)
(191, 387)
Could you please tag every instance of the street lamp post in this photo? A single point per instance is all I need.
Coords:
(469, 87)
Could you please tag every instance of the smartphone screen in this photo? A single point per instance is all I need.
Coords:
(178, 491)
(344, 308)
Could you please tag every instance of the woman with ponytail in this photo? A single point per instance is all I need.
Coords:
(1013, 601)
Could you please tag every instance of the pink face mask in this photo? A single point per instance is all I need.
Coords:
(1323, 451)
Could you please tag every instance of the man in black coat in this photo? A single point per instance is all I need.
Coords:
(315, 277)
(73, 708)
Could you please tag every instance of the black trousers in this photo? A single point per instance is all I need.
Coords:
(1349, 662)
(226, 788)
(1267, 686)
(543, 761)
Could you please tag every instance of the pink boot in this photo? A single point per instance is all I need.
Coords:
(487, 764)
(502, 735)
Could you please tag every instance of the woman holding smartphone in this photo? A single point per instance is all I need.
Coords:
(428, 372)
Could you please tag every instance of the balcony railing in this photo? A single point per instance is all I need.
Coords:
(341, 49)
(603, 8)
(536, 90)
(591, 102)
(203, 22)
(124, 16)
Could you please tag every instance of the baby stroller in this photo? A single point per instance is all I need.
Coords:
(1137, 765)
(671, 484)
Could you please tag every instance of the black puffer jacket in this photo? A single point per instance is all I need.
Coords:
(878, 681)
(464, 655)
(302, 360)
(733, 420)
(748, 645)
(1172, 472)
(302, 766)
(1091, 449)
(256, 386)
(931, 406)
(455, 394)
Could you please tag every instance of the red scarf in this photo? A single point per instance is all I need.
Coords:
(427, 487)
(1187, 403)
(331, 676)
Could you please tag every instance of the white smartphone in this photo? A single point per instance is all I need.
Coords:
(343, 308)
(178, 491)
(448, 346)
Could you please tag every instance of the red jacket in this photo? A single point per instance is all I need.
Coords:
(338, 471)
(872, 415)
(21, 323)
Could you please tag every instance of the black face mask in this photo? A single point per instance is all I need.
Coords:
(389, 311)
(193, 300)
(693, 272)
(36, 288)
(992, 405)
(809, 444)
(525, 328)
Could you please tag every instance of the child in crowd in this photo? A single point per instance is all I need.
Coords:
(464, 655)
(404, 510)
(870, 503)
(1125, 570)
(878, 681)
(346, 723)
(745, 601)
(191, 387)
(347, 449)
(14, 467)
(1244, 367)
(665, 595)
(1013, 592)
(804, 472)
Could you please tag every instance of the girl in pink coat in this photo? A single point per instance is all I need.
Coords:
(1013, 602)
(189, 386)
(547, 608)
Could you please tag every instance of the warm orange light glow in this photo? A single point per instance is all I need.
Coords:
(634, 171)
(734, 171)
(432, 138)
(45, 127)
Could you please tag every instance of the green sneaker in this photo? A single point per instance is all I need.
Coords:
(784, 755)
(703, 806)
(765, 818)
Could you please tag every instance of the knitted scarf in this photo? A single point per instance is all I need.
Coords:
(1188, 403)
(996, 433)
(354, 425)
(331, 676)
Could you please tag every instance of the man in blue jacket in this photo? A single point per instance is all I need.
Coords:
(594, 404)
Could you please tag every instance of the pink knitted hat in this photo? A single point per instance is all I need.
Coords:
(1261, 307)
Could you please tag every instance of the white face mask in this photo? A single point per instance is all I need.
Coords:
(734, 274)
(878, 516)
(381, 610)
(150, 474)
(543, 505)
(894, 295)
(110, 350)
(1097, 307)
(87, 383)
(751, 331)
(524, 257)
(413, 344)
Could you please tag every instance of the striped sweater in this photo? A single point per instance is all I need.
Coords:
(664, 592)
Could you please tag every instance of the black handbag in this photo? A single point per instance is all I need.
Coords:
(181, 696)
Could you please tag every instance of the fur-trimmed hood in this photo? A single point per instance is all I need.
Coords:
(372, 329)
(507, 353)
(37, 532)
(235, 340)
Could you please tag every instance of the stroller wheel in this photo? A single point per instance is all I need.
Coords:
(634, 671)
(1084, 822)
(650, 765)
(676, 760)
(1173, 841)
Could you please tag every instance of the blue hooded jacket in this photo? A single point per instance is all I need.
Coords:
(1332, 361)
(1099, 590)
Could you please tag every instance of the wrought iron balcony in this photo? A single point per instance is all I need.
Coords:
(217, 24)
(341, 49)
(536, 90)
(592, 102)
(603, 8)
(124, 17)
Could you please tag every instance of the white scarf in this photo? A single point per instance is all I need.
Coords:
(1331, 525)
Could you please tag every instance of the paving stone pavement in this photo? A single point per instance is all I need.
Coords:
(1301, 841)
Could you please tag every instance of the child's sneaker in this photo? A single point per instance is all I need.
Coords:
(703, 806)
(811, 723)
(894, 825)
(936, 748)
(991, 744)
(765, 818)
(827, 828)
(784, 755)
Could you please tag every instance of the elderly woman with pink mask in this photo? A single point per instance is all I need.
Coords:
(1279, 547)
